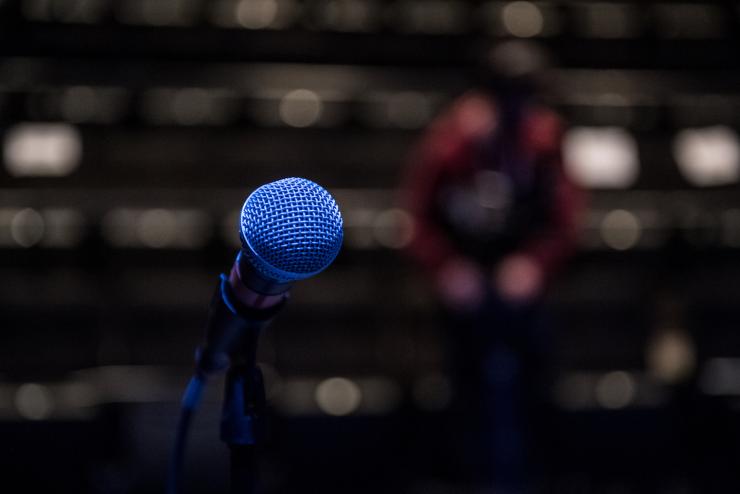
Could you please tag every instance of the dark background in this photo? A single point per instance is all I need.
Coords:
(177, 109)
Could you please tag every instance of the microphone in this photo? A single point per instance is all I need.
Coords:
(290, 230)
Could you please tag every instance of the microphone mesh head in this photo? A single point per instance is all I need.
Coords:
(291, 229)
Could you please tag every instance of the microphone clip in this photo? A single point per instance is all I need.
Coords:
(232, 330)
(242, 417)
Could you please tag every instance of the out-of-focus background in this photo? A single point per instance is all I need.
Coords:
(132, 130)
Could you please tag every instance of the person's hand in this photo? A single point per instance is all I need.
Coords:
(518, 278)
(460, 284)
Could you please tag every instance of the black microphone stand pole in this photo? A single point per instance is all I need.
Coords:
(242, 425)
(232, 333)
(242, 416)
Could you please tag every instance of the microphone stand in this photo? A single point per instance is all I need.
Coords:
(243, 412)
(242, 425)
(232, 333)
(245, 302)
(242, 417)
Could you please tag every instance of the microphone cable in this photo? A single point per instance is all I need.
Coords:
(190, 401)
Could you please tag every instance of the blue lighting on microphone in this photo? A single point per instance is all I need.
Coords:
(291, 229)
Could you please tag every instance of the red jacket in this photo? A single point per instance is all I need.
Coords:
(450, 152)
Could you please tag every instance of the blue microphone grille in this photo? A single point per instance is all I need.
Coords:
(291, 229)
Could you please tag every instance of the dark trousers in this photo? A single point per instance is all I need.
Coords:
(499, 359)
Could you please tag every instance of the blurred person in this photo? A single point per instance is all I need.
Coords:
(494, 218)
